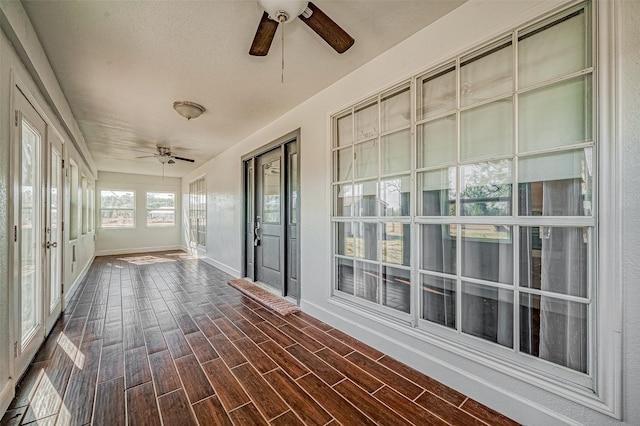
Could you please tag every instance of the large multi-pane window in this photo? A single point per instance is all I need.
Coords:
(463, 200)
(198, 212)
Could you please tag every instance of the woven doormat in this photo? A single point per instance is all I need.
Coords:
(264, 297)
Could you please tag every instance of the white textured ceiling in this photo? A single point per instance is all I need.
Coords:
(121, 64)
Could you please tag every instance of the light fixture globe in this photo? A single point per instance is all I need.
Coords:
(188, 109)
(289, 9)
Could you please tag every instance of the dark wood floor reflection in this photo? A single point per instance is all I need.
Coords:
(162, 339)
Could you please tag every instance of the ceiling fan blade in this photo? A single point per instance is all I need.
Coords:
(330, 32)
(183, 159)
(264, 36)
(147, 156)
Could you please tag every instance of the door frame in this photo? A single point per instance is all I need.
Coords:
(279, 143)
(54, 141)
(19, 88)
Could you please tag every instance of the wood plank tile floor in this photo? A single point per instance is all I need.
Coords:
(162, 339)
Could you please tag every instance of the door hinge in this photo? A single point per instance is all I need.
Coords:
(15, 233)
(62, 288)
(16, 117)
(62, 225)
(63, 163)
(15, 349)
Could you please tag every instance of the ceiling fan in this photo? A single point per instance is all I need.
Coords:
(165, 156)
(282, 11)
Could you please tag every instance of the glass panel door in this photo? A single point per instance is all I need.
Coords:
(30, 280)
(53, 245)
(28, 232)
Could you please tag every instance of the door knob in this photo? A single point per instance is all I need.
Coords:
(50, 244)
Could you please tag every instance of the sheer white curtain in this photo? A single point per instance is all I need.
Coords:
(564, 256)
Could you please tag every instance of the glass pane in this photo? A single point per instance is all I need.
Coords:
(555, 115)
(556, 184)
(365, 240)
(117, 199)
(395, 110)
(344, 238)
(438, 252)
(554, 49)
(396, 288)
(366, 159)
(293, 187)
(437, 142)
(342, 165)
(439, 93)
(84, 208)
(439, 300)
(161, 218)
(488, 313)
(555, 259)
(395, 196)
(395, 152)
(344, 275)
(487, 130)
(437, 192)
(555, 330)
(487, 252)
(73, 208)
(366, 121)
(345, 130)
(29, 231)
(396, 243)
(343, 198)
(117, 218)
(161, 200)
(271, 192)
(485, 189)
(364, 198)
(366, 281)
(487, 75)
(56, 231)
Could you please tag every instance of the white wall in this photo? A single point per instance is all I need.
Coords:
(142, 238)
(21, 56)
(471, 24)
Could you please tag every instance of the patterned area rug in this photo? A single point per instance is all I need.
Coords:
(264, 297)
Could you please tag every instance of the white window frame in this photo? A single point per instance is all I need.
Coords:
(163, 209)
(197, 198)
(114, 209)
(602, 392)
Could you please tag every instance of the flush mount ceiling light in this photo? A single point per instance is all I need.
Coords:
(188, 109)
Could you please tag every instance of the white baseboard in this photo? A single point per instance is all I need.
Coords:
(136, 250)
(226, 268)
(74, 287)
(6, 396)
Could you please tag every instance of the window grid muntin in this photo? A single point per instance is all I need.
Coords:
(514, 220)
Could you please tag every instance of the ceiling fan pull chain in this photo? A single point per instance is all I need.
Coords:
(282, 38)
